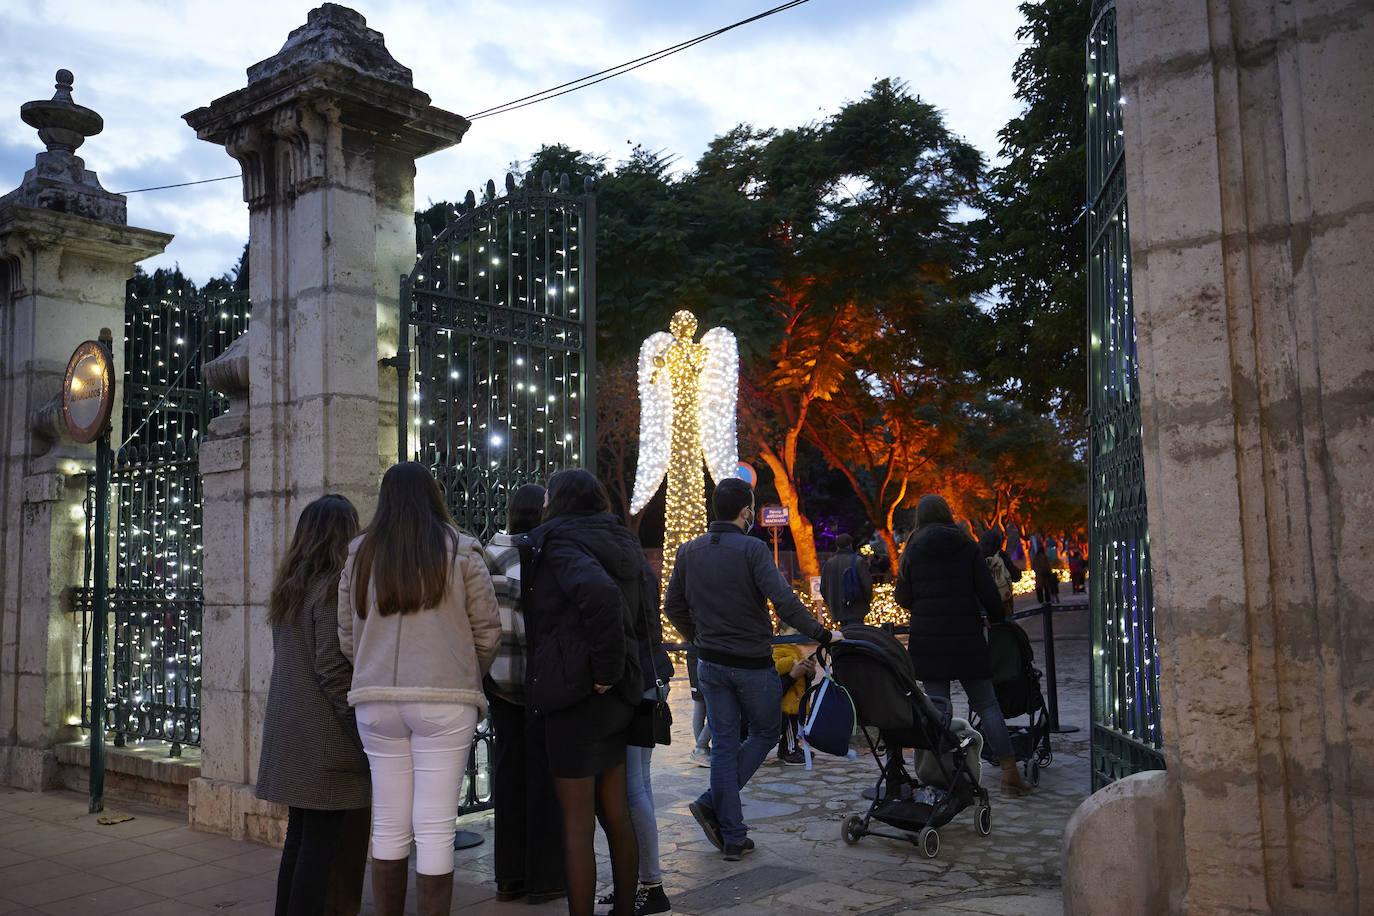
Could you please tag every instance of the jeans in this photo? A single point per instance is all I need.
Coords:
(701, 729)
(418, 753)
(983, 699)
(641, 795)
(753, 695)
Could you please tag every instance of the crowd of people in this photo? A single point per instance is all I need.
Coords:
(392, 642)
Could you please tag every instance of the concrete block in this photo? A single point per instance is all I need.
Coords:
(223, 644)
(221, 456)
(1119, 854)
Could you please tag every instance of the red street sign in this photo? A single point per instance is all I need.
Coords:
(773, 517)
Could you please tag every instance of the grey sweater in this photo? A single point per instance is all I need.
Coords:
(718, 593)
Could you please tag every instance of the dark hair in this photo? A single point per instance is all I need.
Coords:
(844, 542)
(733, 495)
(406, 547)
(576, 492)
(933, 510)
(991, 542)
(318, 551)
(526, 507)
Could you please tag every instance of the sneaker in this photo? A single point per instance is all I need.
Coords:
(794, 759)
(706, 817)
(733, 852)
(700, 757)
(649, 901)
(652, 901)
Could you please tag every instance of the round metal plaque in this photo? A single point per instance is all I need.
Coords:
(88, 392)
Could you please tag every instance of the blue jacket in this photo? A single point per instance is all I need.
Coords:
(718, 593)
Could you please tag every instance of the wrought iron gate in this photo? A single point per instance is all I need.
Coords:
(1126, 734)
(154, 661)
(497, 346)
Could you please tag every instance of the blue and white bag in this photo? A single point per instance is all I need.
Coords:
(828, 718)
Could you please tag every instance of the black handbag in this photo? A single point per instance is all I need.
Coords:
(653, 720)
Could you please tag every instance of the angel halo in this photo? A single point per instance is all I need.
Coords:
(687, 395)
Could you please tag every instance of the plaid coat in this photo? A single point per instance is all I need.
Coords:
(507, 675)
(311, 755)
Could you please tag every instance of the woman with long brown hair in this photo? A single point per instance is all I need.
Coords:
(312, 761)
(417, 616)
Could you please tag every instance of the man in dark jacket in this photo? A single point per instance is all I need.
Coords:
(846, 610)
(716, 599)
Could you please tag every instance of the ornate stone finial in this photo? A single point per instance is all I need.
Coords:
(65, 79)
(62, 124)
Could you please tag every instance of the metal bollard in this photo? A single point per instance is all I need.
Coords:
(1051, 685)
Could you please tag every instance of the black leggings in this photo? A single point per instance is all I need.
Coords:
(584, 801)
(315, 842)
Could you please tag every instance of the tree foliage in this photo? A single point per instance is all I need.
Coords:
(1031, 245)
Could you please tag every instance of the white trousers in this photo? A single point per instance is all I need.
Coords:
(418, 753)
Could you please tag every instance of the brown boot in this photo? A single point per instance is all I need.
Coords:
(434, 894)
(1012, 784)
(389, 886)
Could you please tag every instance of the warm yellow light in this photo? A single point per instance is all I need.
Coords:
(688, 393)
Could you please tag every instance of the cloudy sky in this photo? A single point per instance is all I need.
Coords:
(143, 63)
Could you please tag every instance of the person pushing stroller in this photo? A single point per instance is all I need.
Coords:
(716, 600)
(943, 581)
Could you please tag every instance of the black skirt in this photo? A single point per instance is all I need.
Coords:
(589, 736)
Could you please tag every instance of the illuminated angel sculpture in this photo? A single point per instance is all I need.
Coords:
(687, 393)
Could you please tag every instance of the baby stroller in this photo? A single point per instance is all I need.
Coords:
(876, 671)
(1017, 683)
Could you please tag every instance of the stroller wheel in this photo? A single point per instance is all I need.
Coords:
(852, 829)
(983, 820)
(1033, 771)
(929, 841)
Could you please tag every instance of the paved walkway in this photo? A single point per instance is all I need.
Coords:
(56, 858)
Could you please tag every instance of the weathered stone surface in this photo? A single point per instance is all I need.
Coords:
(326, 132)
(66, 273)
(1247, 139)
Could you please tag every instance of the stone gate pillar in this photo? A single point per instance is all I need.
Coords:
(327, 133)
(65, 253)
(1251, 183)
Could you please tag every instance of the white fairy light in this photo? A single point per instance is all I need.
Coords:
(688, 393)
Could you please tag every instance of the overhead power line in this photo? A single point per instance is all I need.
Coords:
(184, 184)
(553, 92)
(601, 76)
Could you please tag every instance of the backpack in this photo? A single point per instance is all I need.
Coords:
(1000, 576)
(851, 586)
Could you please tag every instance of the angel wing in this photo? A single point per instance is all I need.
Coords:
(655, 420)
(717, 399)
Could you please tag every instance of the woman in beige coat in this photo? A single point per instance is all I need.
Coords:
(418, 620)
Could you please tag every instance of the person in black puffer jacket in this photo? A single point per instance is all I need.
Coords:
(944, 582)
(581, 596)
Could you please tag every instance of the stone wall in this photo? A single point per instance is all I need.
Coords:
(65, 254)
(326, 133)
(1251, 187)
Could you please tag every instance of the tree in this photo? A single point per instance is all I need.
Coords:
(1016, 470)
(1032, 246)
(864, 209)
(617, 433)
